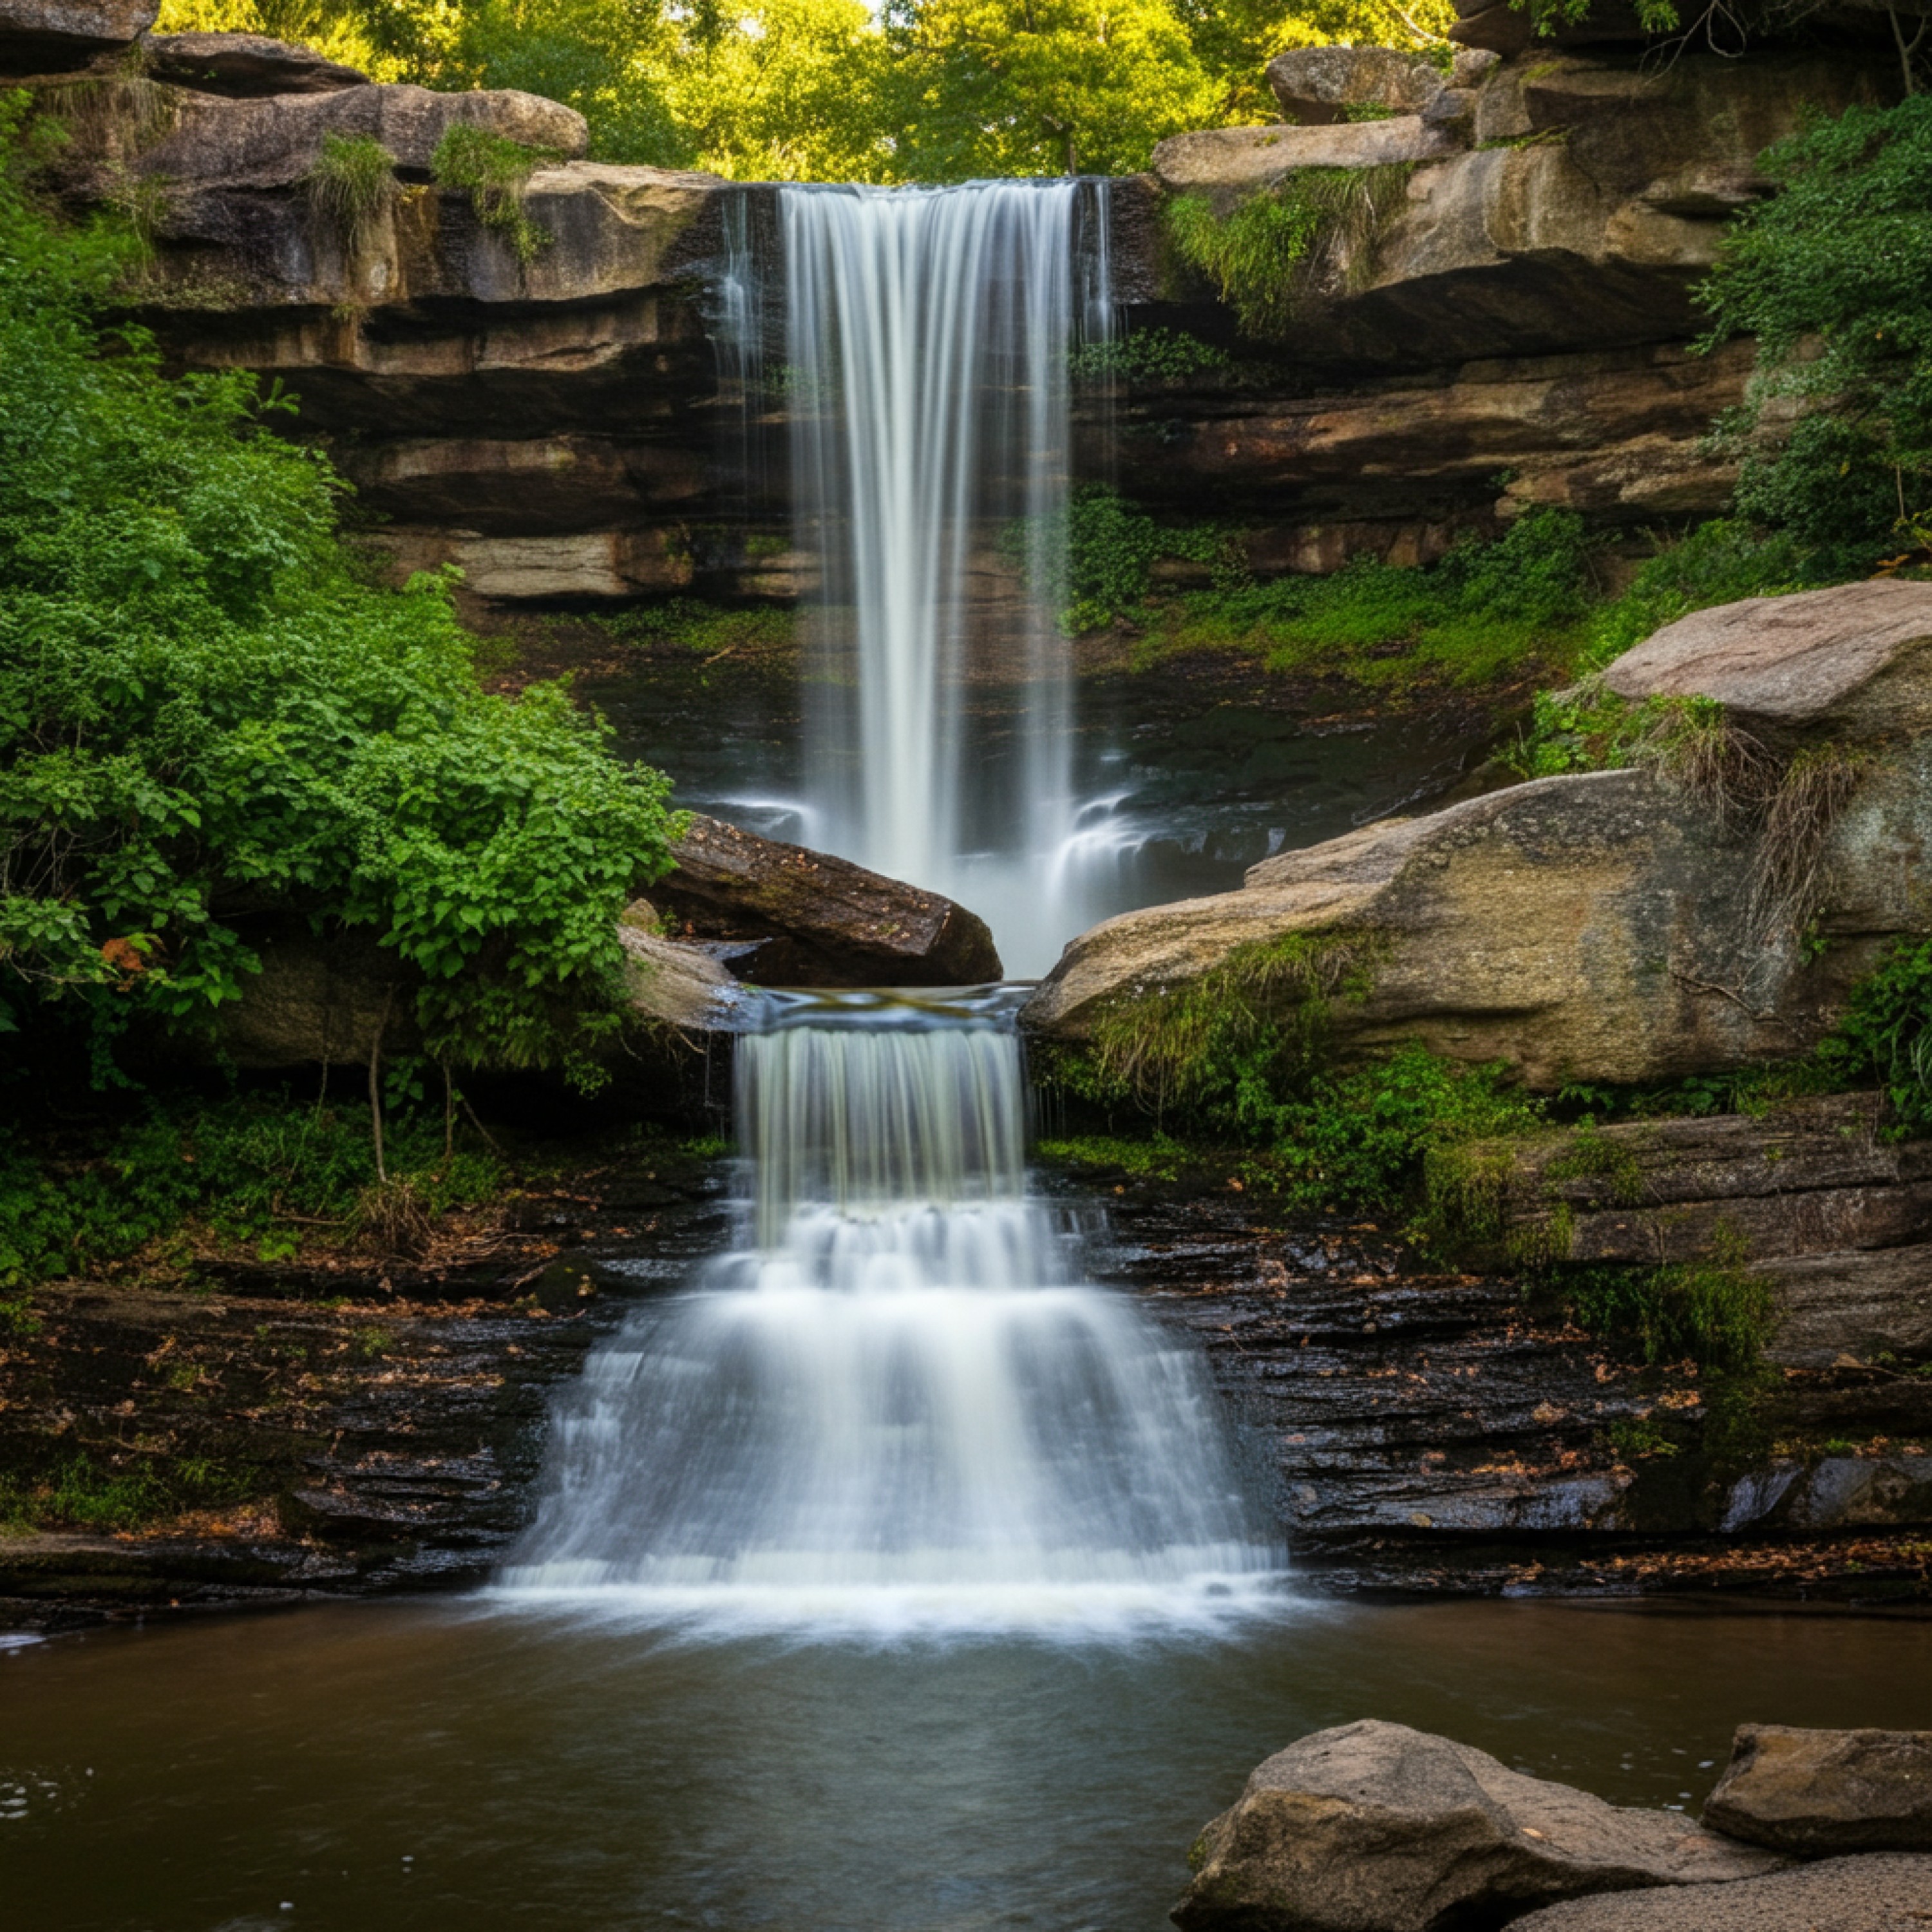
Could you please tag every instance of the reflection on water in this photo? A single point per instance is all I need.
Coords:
(406, 1768)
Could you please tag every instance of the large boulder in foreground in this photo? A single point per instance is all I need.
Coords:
(1618, 927)
(1819, 1791)
(1373, 1827)
(1874, 1893)
(801, 918)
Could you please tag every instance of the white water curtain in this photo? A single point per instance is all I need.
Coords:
(928, 332)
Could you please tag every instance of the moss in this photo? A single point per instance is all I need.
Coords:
(1592, 1155)
(117, 1489)
(1714, 1311)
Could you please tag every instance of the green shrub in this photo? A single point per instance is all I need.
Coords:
(1266, 253)
(1833, 276)
(495, 172)
(1714, 1312)
(351, 186)
(1886, 1035)
(1147, 355)
(208, 714)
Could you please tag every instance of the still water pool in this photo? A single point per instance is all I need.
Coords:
(461, 1764)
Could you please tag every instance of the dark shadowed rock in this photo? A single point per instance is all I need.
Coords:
(40, 35)
(1867, 1894)
(1373, 1827)
(814, 920)
(245, 65)
(1812, 1791)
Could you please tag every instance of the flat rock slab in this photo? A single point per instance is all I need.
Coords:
(1373, 1827)
(246, 65)
(1226, 163)
(1877, 1893)
(1792, 660)
(1812, 1791)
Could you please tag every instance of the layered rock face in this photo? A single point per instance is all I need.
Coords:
(1514, 334)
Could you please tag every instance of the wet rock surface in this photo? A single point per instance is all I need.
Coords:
(1419, 1431)
(360, 1429)
(1374, 1827)
(1818, 1792)
(794, 917)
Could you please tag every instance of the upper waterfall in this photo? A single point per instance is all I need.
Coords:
(928, 332)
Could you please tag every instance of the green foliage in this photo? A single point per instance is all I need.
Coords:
(1265, 255)
(1482, 613)
(1654, 16)
(1886, 1035)
(246, 1169)
(1834, 276)
(495, 171)
(1148, 355)
(705, 630)
(352, 185)
(1715, 1312)
(208, 713)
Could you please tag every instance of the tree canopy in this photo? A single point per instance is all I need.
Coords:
(920, 90)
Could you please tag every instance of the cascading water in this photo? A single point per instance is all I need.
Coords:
(928, 332)
(896, 1402)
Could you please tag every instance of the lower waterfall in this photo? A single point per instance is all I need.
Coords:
(895, 1403)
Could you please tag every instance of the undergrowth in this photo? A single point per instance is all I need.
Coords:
(80, 1492)
(258, 1171)
(1147, 355)
(1714, 1311)
(705, 630)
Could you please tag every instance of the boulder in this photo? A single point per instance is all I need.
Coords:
(1604, 926)
(1835, 1493)
(1228, 164)
(274, 141)
(47, 36)
(1373, 1827)
(799, 917)
(245, 66)
(1817, 1791)
(684, 986)
(1317, 85)
(1502, 28)
(1858, 1894)
(1855, 659)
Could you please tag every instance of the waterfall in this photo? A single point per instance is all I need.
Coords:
(896, 1401)
(927, 332)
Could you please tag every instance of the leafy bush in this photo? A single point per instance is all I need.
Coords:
(1834, 276)
(495, 171)
(1265, 255)
(1147, 355)
(352, 185)
(207, 714)
(1886, 1035)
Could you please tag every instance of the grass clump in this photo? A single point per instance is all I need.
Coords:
(1267, 255)
(1714, 1311)
(495, 172)
(122, 1491)
(705, 630)
(352, 186)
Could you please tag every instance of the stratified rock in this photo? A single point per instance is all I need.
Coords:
(1373, 1827)
(1811, 1176)
(1860, 1894)
(274, 142)
(1317, 85)
(1817, 1791)
(245, 66)
(1856, 657)
(1227, 164)
(815, 920)
(1859, 1304)
(43, 36)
